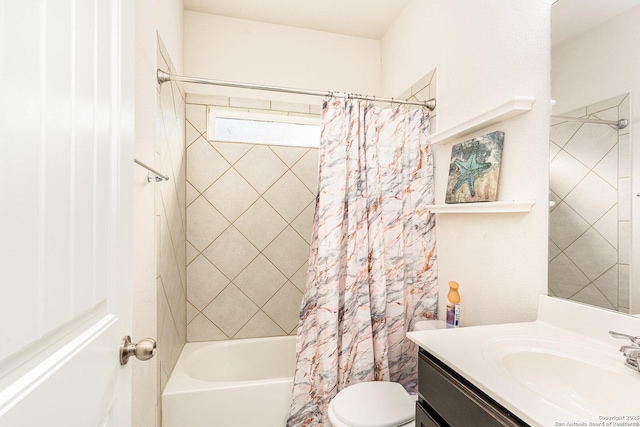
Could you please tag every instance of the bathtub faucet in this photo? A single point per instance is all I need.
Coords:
(630, 352)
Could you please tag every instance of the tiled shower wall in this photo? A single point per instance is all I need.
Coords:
(590, 228)
(170, 221)
(423, 90)
(249, 214)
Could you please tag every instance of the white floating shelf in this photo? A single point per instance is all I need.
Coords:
(512, 108)
(484, 207)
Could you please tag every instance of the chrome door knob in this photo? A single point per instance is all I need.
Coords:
(143, 350)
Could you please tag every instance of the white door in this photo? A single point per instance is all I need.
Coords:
(66, 125)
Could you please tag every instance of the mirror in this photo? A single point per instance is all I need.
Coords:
(594, 80)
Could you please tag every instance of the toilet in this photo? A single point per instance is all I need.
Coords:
(377, 403)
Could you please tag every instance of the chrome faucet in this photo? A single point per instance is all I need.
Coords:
(631, 352)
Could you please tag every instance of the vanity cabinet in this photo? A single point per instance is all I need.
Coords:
(448, 399)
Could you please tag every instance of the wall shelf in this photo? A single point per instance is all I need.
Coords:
(514, 107)
(484, 207)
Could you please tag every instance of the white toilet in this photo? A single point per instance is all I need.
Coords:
(377, 403)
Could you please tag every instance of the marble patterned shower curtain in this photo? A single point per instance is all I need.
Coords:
(372, 269)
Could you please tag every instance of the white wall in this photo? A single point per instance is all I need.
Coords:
(484, 56)
(238, 50)
(165, 18)
(600, 64)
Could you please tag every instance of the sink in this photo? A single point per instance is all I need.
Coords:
(584, 379)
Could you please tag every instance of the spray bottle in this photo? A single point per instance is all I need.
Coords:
(453, 305)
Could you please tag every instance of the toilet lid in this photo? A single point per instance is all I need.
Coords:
(374, 404)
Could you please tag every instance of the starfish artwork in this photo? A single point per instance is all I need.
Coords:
(474, 169)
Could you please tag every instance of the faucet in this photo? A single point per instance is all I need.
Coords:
(631, 352)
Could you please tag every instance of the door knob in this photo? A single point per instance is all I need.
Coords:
(143, 350)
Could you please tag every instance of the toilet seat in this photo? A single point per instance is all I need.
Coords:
(372, 404)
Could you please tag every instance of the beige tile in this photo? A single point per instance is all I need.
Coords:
(231, 252)
(307, 170)
(623, 286)
(288, 196)
(554, 200)
(197, 116)
(316, 108)
(260, 326)
(423, 82)
(608, 285)
(624, 199)
(192, 312)
(565, 279)
(260, 224)
(203, 329)
(284, 307)
(232, 151)
(231, 310)
(592, 254)
(607, 168)
(565, 225)
(608, 114)
(592, 198)
(624, 245)
(303, 223)
(191, 194)
(607, 226)
(204, 165)
(204, 223)
(289, 155)
(606, 104)
(191, 253)
(289, 107)
(261, 167)
(197, 98)
(299, 278)
(259, 104)
(591, 295)
(591, 143)
(562, 132)
(191, 134)
(260, 280)
(565, 173)
(288, 252)
(204, 282)
(231, 195)
(554, 250)
(624, 164)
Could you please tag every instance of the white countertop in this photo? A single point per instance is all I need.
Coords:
(470, 351)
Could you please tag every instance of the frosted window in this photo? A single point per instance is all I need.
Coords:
(255, 128)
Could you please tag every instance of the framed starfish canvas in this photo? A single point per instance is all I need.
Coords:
(474, 169)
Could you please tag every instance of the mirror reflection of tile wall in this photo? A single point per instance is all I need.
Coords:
(590, 220)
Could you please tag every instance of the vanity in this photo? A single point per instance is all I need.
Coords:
(563, 369)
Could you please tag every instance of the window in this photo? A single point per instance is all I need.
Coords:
(263, 128)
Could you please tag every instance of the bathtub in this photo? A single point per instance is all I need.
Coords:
(236, 383)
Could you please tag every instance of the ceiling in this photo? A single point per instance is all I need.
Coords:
(360, 18)
(571, 18)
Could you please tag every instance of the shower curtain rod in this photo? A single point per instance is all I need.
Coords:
(619, 124)
(165, 77)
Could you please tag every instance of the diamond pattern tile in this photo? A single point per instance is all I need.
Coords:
(192, 312)
(197, 116)
(307, 170)
(304, 222)
(591, 295)
(231, 252)
(231, 310)
(299, 279)
(232, 151)
(260, 325)
(562, 132)
(204, 223)
(565, 225)
(288, 252)
(565, 173)
(261, 167)
(289, 155)
(192, 134)
(203, 329)
(284, 307)
(260, 280)
(260, 224)
(623, 286)
(231, 195)
(191, 194)
(204, 165)
(607, 169)
(607, 226)
(592, 198)
(204, 282)
(289, 196)
(592, 254)
(565, 278)
(192, 253)
(608, 285)
(591, 143)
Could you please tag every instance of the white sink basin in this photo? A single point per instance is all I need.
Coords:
(582, 379)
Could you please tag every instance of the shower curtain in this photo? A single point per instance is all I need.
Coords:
(372, 268)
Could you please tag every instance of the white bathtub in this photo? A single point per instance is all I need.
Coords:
(235, 383)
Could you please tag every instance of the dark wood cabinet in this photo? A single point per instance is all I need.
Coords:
(448, 399)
